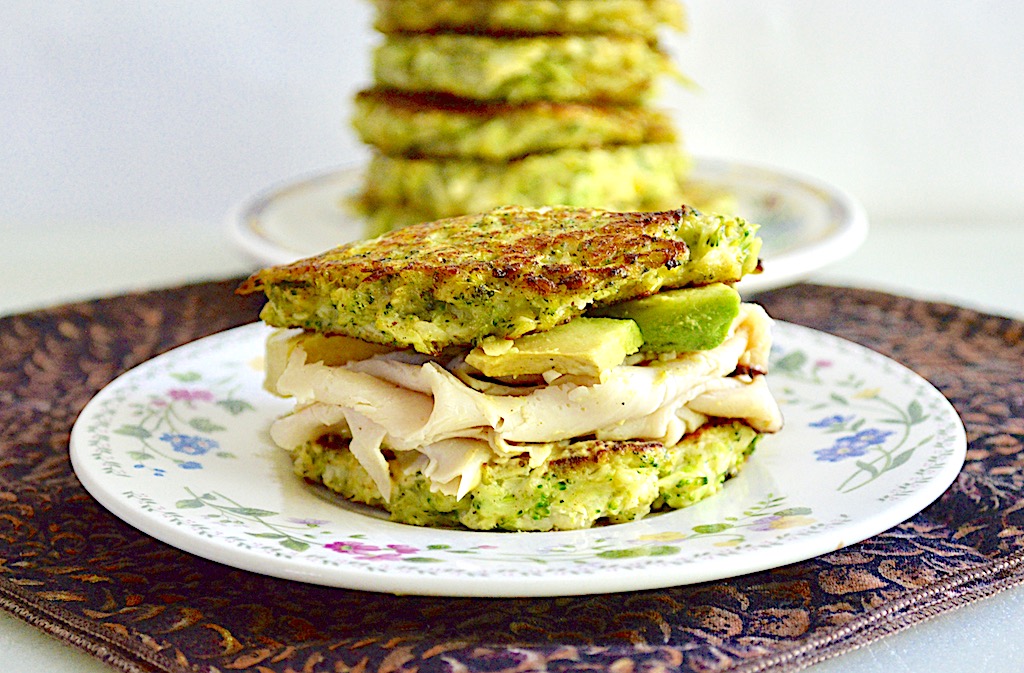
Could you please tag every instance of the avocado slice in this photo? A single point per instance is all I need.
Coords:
(682, 320)
(583, 346)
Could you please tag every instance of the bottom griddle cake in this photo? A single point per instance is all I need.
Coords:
(403, 190)
(593, 482)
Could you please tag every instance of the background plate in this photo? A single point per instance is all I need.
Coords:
(806, 224)
(177, 447)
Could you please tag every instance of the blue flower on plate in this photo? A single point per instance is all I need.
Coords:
(190, 465)
(831, 421)
(853, 446)
(190, 445)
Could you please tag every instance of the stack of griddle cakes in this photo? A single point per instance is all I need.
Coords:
(482, 103)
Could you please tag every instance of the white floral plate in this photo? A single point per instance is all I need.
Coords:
(178, 448)
(806, 224)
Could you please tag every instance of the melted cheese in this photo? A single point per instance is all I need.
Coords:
(442, 426)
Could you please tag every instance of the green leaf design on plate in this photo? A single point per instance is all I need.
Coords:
(235, 406)
(793, 511)
(134, 431)
(915, 414)
(868, 467)
(629, 552)
(294, 544)
(248, 511)
(204, 424)
(663, 550)
(901, 458)
(711, 528)
(791, 362)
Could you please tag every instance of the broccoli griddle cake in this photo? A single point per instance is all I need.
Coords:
(593, 68)
(638, 17)
(504, 273)
(439, 126)
(591, 481)
(627, 177)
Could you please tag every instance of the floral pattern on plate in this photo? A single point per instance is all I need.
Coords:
(178, 448)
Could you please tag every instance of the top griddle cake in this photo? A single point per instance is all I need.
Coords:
(505, 273)
(626, 17)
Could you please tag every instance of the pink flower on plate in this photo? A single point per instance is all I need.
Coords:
(369, 552)
(186, 395)
(351, 547)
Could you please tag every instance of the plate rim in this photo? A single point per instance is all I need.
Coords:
(792, 265)
(789, 266)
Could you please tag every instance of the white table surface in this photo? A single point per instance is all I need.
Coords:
(47, 263)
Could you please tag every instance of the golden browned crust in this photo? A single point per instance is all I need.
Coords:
(570, 253)
(430, 101)
(504, 273)
(542, 262)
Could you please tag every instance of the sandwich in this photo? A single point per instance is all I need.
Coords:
(523, 369)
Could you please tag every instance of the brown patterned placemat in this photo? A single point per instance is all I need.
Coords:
(76, 571)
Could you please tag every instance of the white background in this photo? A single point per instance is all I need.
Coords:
(173, 111)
